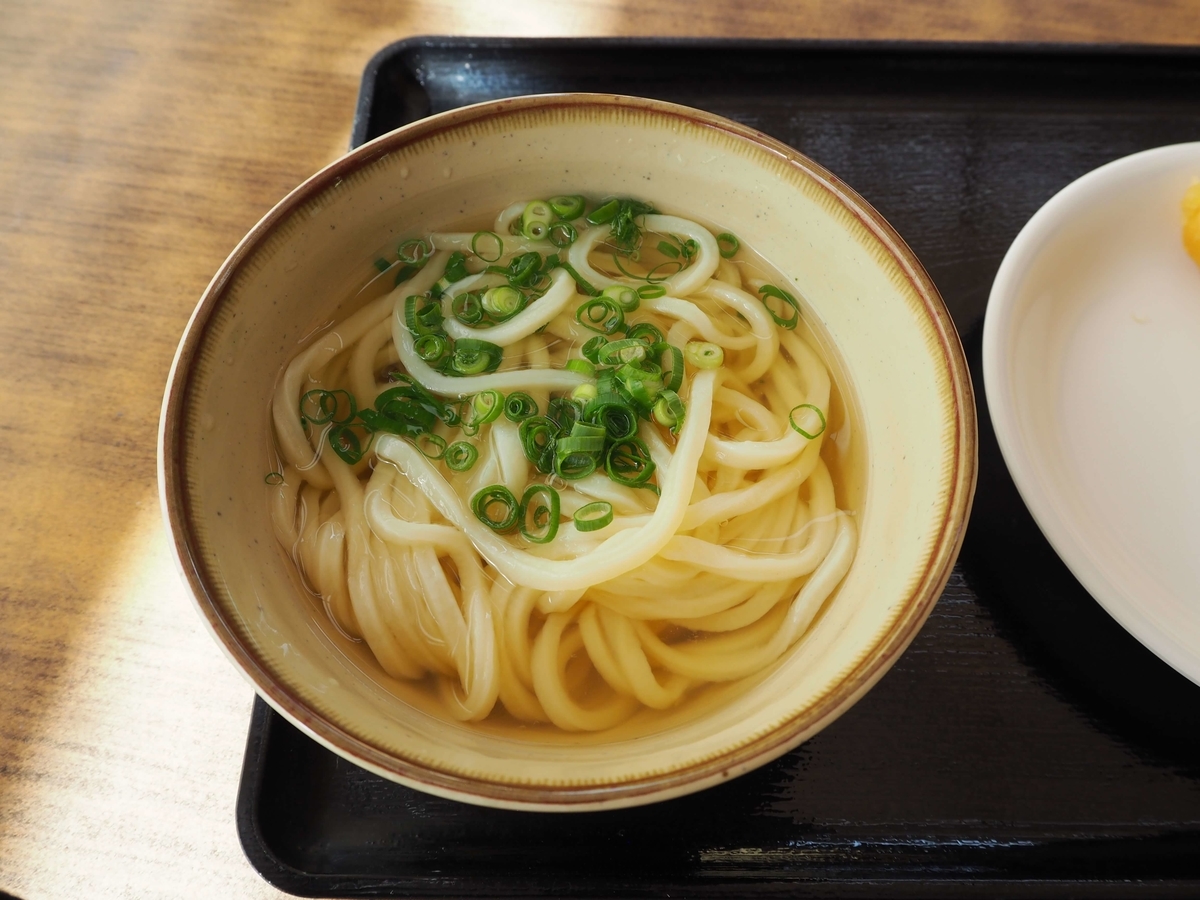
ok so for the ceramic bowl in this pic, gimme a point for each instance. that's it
(1091, 360)
(907, 438)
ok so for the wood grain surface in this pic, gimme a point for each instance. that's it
(138, 142)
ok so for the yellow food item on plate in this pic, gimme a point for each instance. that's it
(1191, 221)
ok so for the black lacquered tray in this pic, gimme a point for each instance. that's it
(1025, 745)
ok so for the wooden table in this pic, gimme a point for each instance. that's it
(138, 141)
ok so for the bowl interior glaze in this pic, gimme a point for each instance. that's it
(910, 438)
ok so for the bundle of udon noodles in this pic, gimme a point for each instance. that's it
(572, 465)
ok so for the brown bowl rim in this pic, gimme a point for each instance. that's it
(788, 734)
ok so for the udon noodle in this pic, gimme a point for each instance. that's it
(571, 466)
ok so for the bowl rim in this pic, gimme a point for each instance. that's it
(1020, 451)
(651, 788)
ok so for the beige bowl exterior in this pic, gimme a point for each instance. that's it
(864, 292)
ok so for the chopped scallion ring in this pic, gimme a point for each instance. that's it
(273, 478)
(651, 291)
(567, 206)
(803, 433)
(770, 292)
(484, 243)
(728, 244)
(415, 251)
(496, 507)
(582, 366)
(600, 314)
(627, 350)
(669, 410)
(584, 392)
(593, 516)
(346, 443)
(432, 348)
(460, 456)
(432, 445)
(537, 434)
(646, 333)
(467, 308)
(562, 234)
(625, 296)
(519, 406)
(535, 220)
(704, 355)
(540, 512)
(486, 407)
(503, 301)
(628, 462)
(591, 348)
(472, 357)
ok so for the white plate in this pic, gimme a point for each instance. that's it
(1091, 362)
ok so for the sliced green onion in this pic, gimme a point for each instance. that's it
(666, 248)
(432, 445)
(602, 215)
(562, 234)
(820, 415)
(273, 478)
(644, 387)
(460, 456)
(467, 308)
(483, 243)
(728, 244)
(770, 292)
(593, 516)
(496, 507)
(523, 271)
(318, 407)
(626, 350)
(486, 407)
(600, 314)
(414, 251)
(456, 268)
(585, 286)
(422, 315)
(618, 419)
(535, 220)
(432, 348)
(567, 206)
(584, 392)
(672, 377)
(591, 348)
(588, 443)
(564, 412)
(689, 248)
(519, 406)
(628, 462)
(382, 265)
(651, 291)
(669, 410)
(537, 434)
(704, 355)
(540, 511)
(574, 466)
(646, 333)
(472, 357)
(503, 301)
(625, 296)
(582, 366)
(346, 443)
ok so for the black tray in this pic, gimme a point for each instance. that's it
(1025, 744)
